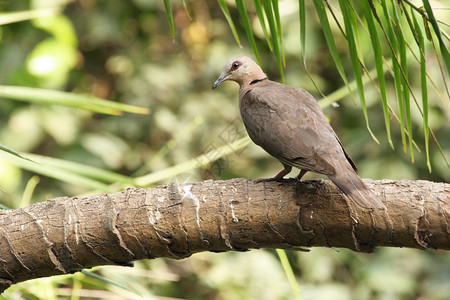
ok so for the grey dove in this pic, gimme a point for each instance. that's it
(288, 123)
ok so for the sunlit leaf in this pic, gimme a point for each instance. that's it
(82, 169)
(412, 27)
(355, 28)
(56, 173)
(11, 151)
(19, 16)
(226, 13)
(53, 97)
(426, 26)
(28, 192)
(289, 272)
(51, 61)
(60, 27)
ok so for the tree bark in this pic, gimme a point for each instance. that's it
(65, 235)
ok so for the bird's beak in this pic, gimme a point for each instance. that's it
(219, 80)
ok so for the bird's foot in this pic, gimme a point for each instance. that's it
(279, 176)
(300, 175)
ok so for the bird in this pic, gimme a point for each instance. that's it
(288, 123)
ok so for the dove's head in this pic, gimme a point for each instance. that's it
(241, 69)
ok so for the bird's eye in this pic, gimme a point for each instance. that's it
(235, 65)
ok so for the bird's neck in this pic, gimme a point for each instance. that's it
(254, 81)
(249, 85)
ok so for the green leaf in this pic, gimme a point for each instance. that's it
(423, 83)
(51, 60)
(276, 12)
(170, 18)
(427, 27)
(320, 9)
(404, 67)
(11, 151)
(61, 27)
(262, 22)
(391, 38)
(19, 16)
(28, 192)
(82, 169)
(273, 32)
(302, 18)
(227, 15)
(376, 46)
(248, 29)
(186, 9)
(437, 31)
(289, 272)
(56, 173)
(344, 91)
(355, 27)
(53, 97)
(346, 12)
(411, 25)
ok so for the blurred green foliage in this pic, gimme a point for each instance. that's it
(123, 51)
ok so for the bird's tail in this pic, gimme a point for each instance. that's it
(349, 182)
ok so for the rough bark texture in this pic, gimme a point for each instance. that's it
(64, 235)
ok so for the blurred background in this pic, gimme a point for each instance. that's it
(123, 51)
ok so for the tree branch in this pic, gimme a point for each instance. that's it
(65, 235)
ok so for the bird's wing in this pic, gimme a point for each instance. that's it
(288, 124)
